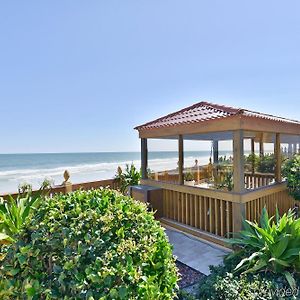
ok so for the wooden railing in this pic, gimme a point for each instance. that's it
(212, 215)
(256, 180)
(252, 181)
(112, 183)
(280, 199)
(219, 212)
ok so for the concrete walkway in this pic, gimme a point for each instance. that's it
(194, 252)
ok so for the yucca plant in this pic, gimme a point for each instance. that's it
(272, 245)
(15, 211)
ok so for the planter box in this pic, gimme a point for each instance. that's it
(149, 194)
(189, 183)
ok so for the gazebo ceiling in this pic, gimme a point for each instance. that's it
(205, 117)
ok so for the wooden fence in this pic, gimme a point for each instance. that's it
(112, 183)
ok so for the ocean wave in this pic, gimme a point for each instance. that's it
(81, 168)
(91, 171)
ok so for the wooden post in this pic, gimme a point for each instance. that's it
(216, 151)
(238, 209)
(180, 159)
(294, 148)
(238, 161)
(144, 158)
(277, 152)
(253, 155)
(238, 215)
(290, 150)
(261, 147)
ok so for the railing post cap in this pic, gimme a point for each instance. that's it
(66, 176)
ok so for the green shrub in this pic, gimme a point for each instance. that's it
(291, 171)
(271, 246)
(225, 284)
(232, 287)
(251, 159)
(266, 163)
(264, 265)
(227, 181)
(277, 242)
(93, 244)
(130, 177)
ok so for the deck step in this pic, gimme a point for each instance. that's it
(203, 235)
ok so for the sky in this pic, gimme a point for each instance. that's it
(78, 76)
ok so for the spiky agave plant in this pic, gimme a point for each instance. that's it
(272, 245)
(15, 210)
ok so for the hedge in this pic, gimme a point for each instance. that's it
(93, 244)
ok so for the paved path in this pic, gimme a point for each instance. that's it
(195, 253)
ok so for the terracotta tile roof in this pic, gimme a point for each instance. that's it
(204, 111)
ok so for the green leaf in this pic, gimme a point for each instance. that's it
(13, 271)
(277, 216)
(291, 252)
(279, 261)
(21, 258)
(123, 292)
(280, 247)
(290, 279)
(5, 239)
(30, 291)
(260, 264)
(248, 259)
(264, 219)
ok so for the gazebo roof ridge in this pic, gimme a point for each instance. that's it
(252, 113)
(216, 107)
(205, 111)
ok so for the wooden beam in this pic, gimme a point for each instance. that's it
(180, 159)
(216, 151)
(277, 151)
(261, 147)
(144, 158)
(238, 161)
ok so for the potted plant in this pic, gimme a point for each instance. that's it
(189, 178)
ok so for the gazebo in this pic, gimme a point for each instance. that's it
(225, 190)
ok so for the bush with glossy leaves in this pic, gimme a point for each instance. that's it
(93, 244)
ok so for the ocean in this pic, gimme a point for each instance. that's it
(16, 169)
